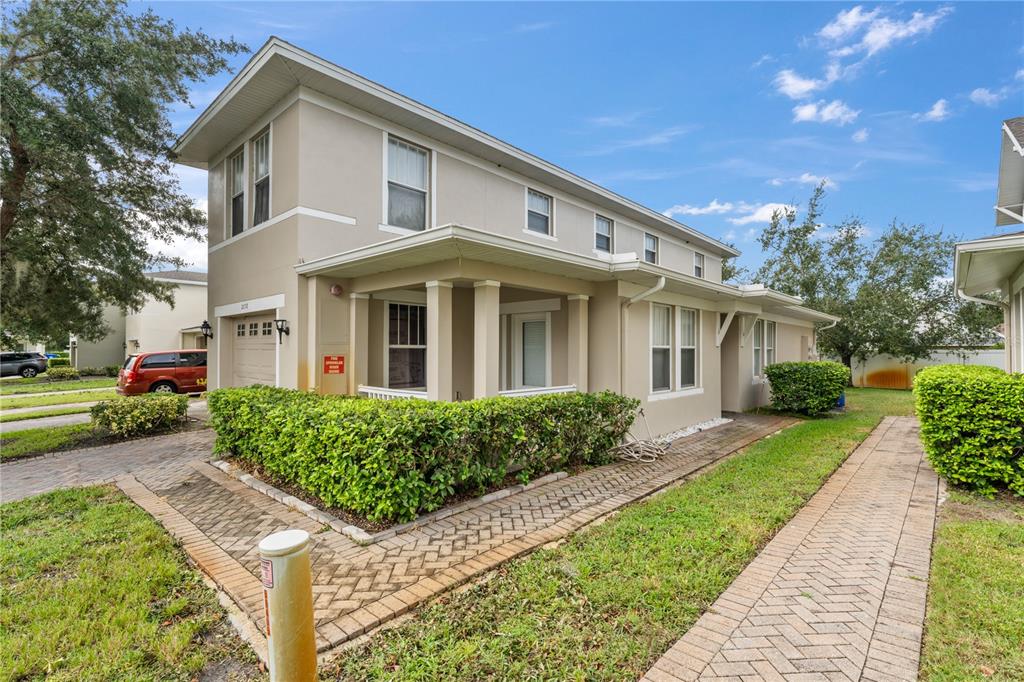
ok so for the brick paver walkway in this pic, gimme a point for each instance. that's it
(220, 522)
(839, 593)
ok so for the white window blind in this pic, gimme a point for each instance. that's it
(758, 348)
(661, 351)
(236, 187)
(688, 334)
(769, 344)
(408, 179)
(535, 353)
(698, 265)
(538, 212)
(261, 178)
(603, 234)
(650, 248)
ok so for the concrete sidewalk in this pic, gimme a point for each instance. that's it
(839, 594)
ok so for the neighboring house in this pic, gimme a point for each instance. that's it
(399, 249)
(156, 326)
(995, 265)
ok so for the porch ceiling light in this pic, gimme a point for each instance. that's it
(206, 329)
(282, 329)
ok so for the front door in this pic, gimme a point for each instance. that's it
(531, 350)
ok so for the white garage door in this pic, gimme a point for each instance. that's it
(253, 353)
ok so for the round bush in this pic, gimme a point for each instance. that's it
(807, 387)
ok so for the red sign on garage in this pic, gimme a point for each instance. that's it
(334, 364)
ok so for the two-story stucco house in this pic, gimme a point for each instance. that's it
(441, 261)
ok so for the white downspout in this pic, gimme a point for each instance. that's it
(818, 331)
(975, 299)
(623, 317)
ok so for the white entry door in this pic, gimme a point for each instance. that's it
(531, 350)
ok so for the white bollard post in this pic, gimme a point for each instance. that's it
(288, 601)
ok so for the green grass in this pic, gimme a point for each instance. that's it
(55, 399)
(41, 385)
(93, 588)
(27, 442)
(974, 629)
(21, 416)
(607, 603)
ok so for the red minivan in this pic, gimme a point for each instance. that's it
(172, 371)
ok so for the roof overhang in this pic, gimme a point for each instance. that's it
(1010, 195)
(984, 265)
(453, 242)
(278, 68)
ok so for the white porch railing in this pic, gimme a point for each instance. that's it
(390, 393)
(543, 390)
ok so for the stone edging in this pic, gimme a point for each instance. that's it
(359, 535)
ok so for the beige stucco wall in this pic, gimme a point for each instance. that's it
(107, 351)
(157, 326)
(740, 389)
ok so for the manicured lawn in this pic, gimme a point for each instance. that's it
(974, 629)
(55, 399)
(17, 444)
(21, 416)
(93, 588)
(607, 603)
(41, 385)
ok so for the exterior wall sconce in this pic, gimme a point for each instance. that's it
(206, 329)
(282, 330)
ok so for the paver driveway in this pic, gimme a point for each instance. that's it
(220, 522)
(839, 594)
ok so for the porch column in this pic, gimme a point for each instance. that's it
(358, 341)
(579, 320)
(486, 338)
(439, 340)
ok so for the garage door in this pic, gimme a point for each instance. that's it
(253, 353)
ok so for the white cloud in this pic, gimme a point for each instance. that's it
(793, 85)
(805, 179)
(656, 139)
(729, 236)
(686, 209)
(835, 111)
(533, 27)
(883, 32)
(847, 23)
(1019, 75)
(617, 120)
(860, 136)
(761, 213)
(938, 112)
(763, 59)
(986, 97)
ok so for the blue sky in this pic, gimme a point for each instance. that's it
(713, 112)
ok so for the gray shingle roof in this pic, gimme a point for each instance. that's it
(183, 275)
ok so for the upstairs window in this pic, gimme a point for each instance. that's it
(698, 265)
(261, 178)
(661, 347)
(408, 179)
(538, 212)
(603, 234)
(650, 248)
(236, 192)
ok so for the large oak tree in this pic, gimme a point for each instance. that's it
(86, 88)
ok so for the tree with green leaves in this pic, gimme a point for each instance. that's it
(86, 159)
(893, 294)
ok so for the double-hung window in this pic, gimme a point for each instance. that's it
(603, 234)
(758, 348)
(688, 334)
(408, 180)
(407, 345)
(261, 178)
(650, 248)
(236, 192)
(661, 348)
(698, 265)
(538, 212)
(769, 343)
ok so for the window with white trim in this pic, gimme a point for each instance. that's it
(769, 343)
(261, 178)
(758, 348)
(267, 329)
(407, 345)
(661, 348)
(408, 183)
(603, 228)
(689, 333)
(236, 193)
(538, 212)
(650, 248)
(698, 265)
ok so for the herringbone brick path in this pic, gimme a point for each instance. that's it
(839, 594)
(220, 521)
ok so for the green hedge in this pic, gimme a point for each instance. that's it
(58, 362)
(807, 387)
(112, 370)
(395, 459)
(62, 373)
(972, 425)
(138, 415)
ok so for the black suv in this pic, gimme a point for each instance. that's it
(23, 364)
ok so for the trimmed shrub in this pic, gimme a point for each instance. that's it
(807, 387)
(393, 459)
(90, 371)
(972, 425)
(141, 414)
(112, 370)
(62, 373)
(58, 362)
